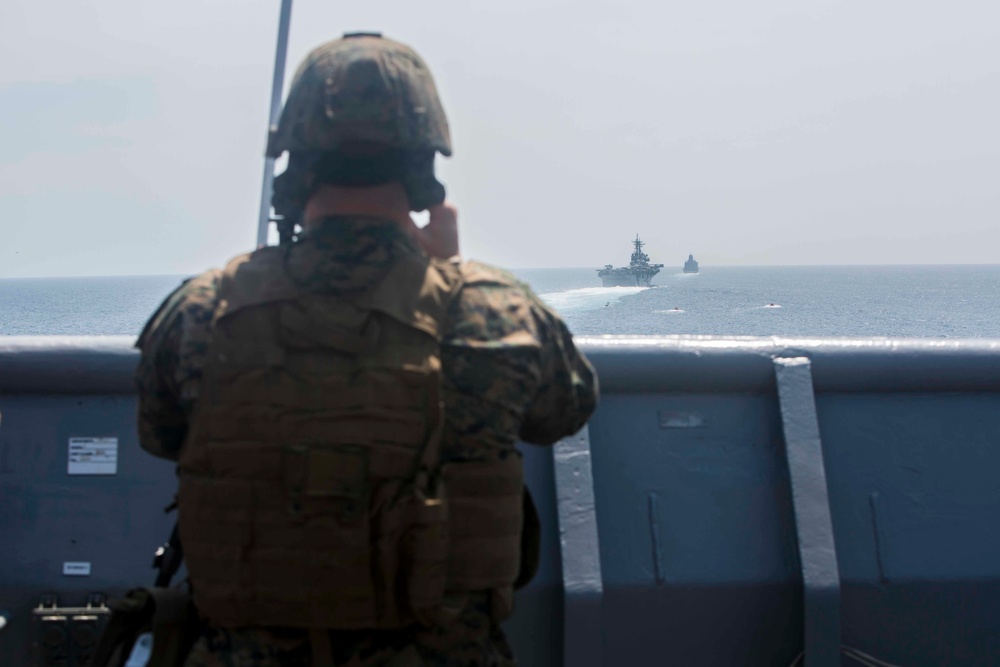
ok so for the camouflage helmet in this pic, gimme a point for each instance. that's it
(361, 88)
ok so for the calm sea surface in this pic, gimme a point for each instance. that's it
(929, 301)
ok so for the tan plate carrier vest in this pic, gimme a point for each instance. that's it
(311, 491)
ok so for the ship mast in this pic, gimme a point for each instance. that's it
(638, 257)
(277, 85)
(637, 243)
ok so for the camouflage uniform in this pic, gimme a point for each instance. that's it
(510, 371)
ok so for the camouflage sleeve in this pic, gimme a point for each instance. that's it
(173, 346)
(567, 394)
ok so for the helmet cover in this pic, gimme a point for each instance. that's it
(361, 88)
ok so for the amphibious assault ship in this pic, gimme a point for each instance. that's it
(637, 274)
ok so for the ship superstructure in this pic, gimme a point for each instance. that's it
(637, 274)
(691, 265)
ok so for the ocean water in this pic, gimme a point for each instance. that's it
(907, 301)
(923, 301)
(81, 306)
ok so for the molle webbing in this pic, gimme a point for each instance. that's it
(484, 522)
(310, 488)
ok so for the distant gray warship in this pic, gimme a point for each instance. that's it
(637, 274)
(690, 266)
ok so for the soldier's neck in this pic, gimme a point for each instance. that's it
(388, 201)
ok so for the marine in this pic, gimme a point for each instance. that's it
(344, 407)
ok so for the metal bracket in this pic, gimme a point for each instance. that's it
(583, 586)
(97, 601)
(811, 503)
(67, 635)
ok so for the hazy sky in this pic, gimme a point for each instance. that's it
(767, 132)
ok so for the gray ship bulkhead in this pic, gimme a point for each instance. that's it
(734, 501)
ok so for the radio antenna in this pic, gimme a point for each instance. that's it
(277, 85)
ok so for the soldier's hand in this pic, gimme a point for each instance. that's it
(439, 238)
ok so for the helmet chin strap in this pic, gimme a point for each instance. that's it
(422, 187)
(307, 171)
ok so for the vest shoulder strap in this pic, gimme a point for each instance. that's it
(254, 279)
(476, 273)
(417, 291)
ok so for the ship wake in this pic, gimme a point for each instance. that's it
(587, 298)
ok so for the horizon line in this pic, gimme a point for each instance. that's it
(536, 268)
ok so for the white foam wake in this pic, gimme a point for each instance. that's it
(587, 298)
